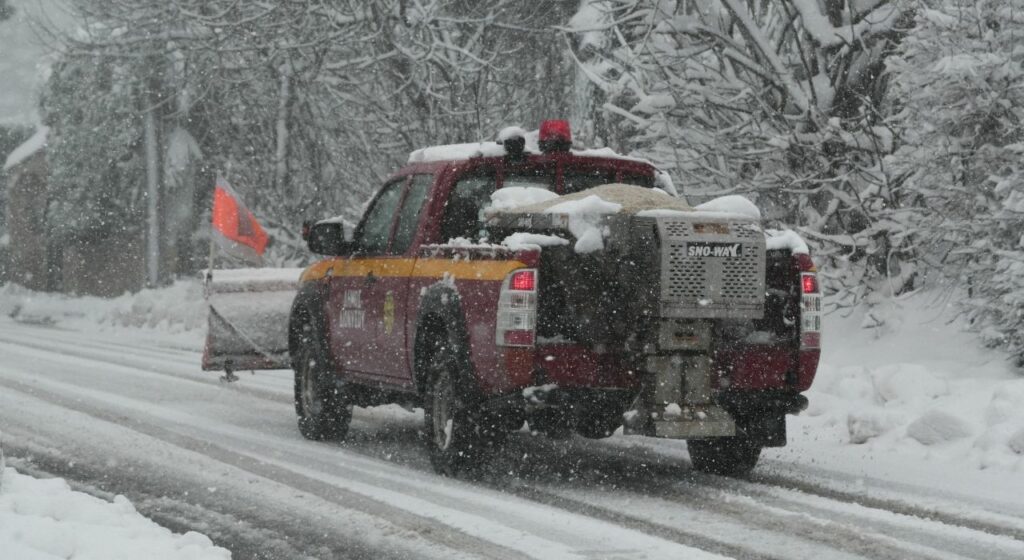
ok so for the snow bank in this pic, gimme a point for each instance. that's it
(46, 520)
(938, 426)
(177, 311)
(920, 387)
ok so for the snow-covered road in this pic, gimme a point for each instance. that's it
(136, 417)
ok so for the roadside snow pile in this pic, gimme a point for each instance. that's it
(178, 309)
(920, 385)
(45, 519)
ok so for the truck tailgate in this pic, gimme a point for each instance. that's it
(248, 318)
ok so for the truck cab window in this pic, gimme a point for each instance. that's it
(639, 180)
(372, 236)
(540, 179)
(462, 211)
(576, 181)
(408, 218)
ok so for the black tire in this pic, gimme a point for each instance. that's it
(728, 456)
(459, 436)
(598, 427)
(323, 413)
(554, 423)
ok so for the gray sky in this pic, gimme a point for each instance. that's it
(23, 58)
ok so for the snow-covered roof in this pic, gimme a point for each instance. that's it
(457, 152)
(27, 148)
(460, 152)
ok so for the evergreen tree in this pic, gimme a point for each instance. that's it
(97, 173)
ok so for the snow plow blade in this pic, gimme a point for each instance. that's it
(247, 326)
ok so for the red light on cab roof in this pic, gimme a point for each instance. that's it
(555, 135)
(523, 280)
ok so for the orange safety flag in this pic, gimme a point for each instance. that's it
(235, 229)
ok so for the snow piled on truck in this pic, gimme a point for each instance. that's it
(731, 204)
(785, 239)
(512, 197)
(605, 199)
(584, 210)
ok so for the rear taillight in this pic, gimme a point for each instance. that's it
(810, 302)
(809, 282)
(523, 280)
(517, 309)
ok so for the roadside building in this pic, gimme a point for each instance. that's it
(107, 266)
(29, 259)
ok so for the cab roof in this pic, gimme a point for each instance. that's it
(453, 153)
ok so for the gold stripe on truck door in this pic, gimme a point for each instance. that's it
(423, 268)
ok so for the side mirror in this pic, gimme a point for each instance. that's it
(326, 238)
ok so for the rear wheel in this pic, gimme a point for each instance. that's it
(729, 456)
(459, 436)
(598, 426)
(319, 402)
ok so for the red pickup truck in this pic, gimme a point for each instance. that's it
(680, 325)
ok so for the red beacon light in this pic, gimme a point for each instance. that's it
(555, 136)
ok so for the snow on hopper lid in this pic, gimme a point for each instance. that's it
(29, 147)
(731, 204)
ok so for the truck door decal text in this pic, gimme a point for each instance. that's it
(352, 313)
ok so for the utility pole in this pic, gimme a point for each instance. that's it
(152, 194)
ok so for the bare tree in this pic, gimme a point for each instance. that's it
(779, 100)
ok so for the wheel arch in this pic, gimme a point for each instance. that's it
(441, 315)
(308, 307)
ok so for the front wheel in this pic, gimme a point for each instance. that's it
(729, 456)
(323, 412)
